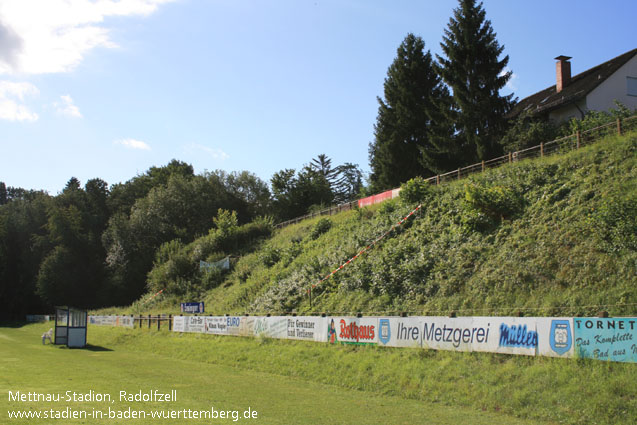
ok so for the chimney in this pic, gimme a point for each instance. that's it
(563, 72)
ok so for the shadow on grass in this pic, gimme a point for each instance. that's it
(16, 324)
(87, 347)
(91, 347)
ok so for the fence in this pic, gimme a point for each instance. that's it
(564, 144)
(600, 338)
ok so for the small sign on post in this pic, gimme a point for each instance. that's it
(192, 307)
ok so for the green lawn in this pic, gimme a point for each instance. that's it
(108, 367)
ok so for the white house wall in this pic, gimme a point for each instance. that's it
(567, 112)
(614, 88)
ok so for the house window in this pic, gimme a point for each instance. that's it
(631, 83)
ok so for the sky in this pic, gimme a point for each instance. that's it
(108, 88)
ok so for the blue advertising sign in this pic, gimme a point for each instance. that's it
(612, 339)
(192, 307)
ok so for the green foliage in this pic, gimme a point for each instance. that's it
(226, 222)
(415, 191)
(294, 193)
(472, 70)
(497, 202)
(176, 265)
(173, 269)
(321, 226)
(616, 221)
(593, 119)
(409, 133)
(527, 131)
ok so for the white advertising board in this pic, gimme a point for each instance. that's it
(555, 336)
(179, 324)
(216, 325)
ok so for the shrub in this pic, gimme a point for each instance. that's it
(321, 226)
(486, 206)
(415, 191)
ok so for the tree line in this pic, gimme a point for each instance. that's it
(94, 245)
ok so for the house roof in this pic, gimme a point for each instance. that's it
(578, 87)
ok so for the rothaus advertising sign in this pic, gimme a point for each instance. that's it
(352, 330)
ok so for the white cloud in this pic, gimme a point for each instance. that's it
(46, 36)
(67, 107)
(133, 144)
(12, 96)
(214, 153)
(512, 84)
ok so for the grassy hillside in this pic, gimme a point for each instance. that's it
(551, 236)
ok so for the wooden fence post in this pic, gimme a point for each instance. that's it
(458, 173)
(437, 179)
(140, 321)
(158, 322)
(510, 158)
(579, 138)
(542, 149)
(483, 165)
(170, 322)
(619, 127)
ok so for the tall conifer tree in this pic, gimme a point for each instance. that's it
(475, 75)
(405, 144)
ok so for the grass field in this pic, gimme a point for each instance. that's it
(114, 362)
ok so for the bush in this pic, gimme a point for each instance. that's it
(415, 191)
(486, 206)
(321, 226)
(270, 256)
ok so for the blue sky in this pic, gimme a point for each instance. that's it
(110, 88)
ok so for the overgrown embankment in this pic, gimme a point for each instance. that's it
(552, 236)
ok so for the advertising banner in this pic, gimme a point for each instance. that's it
(216, 325)
(232, 324)
(179, 324)
(123, 321)
(307, 328)
(516, 335)
(195, 324)
(271, 327)
(612, 339)
(352, 330)
(457, 334)
(400, 331)
(555, 336)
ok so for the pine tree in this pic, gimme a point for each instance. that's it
(407, 132)
(475, 75)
